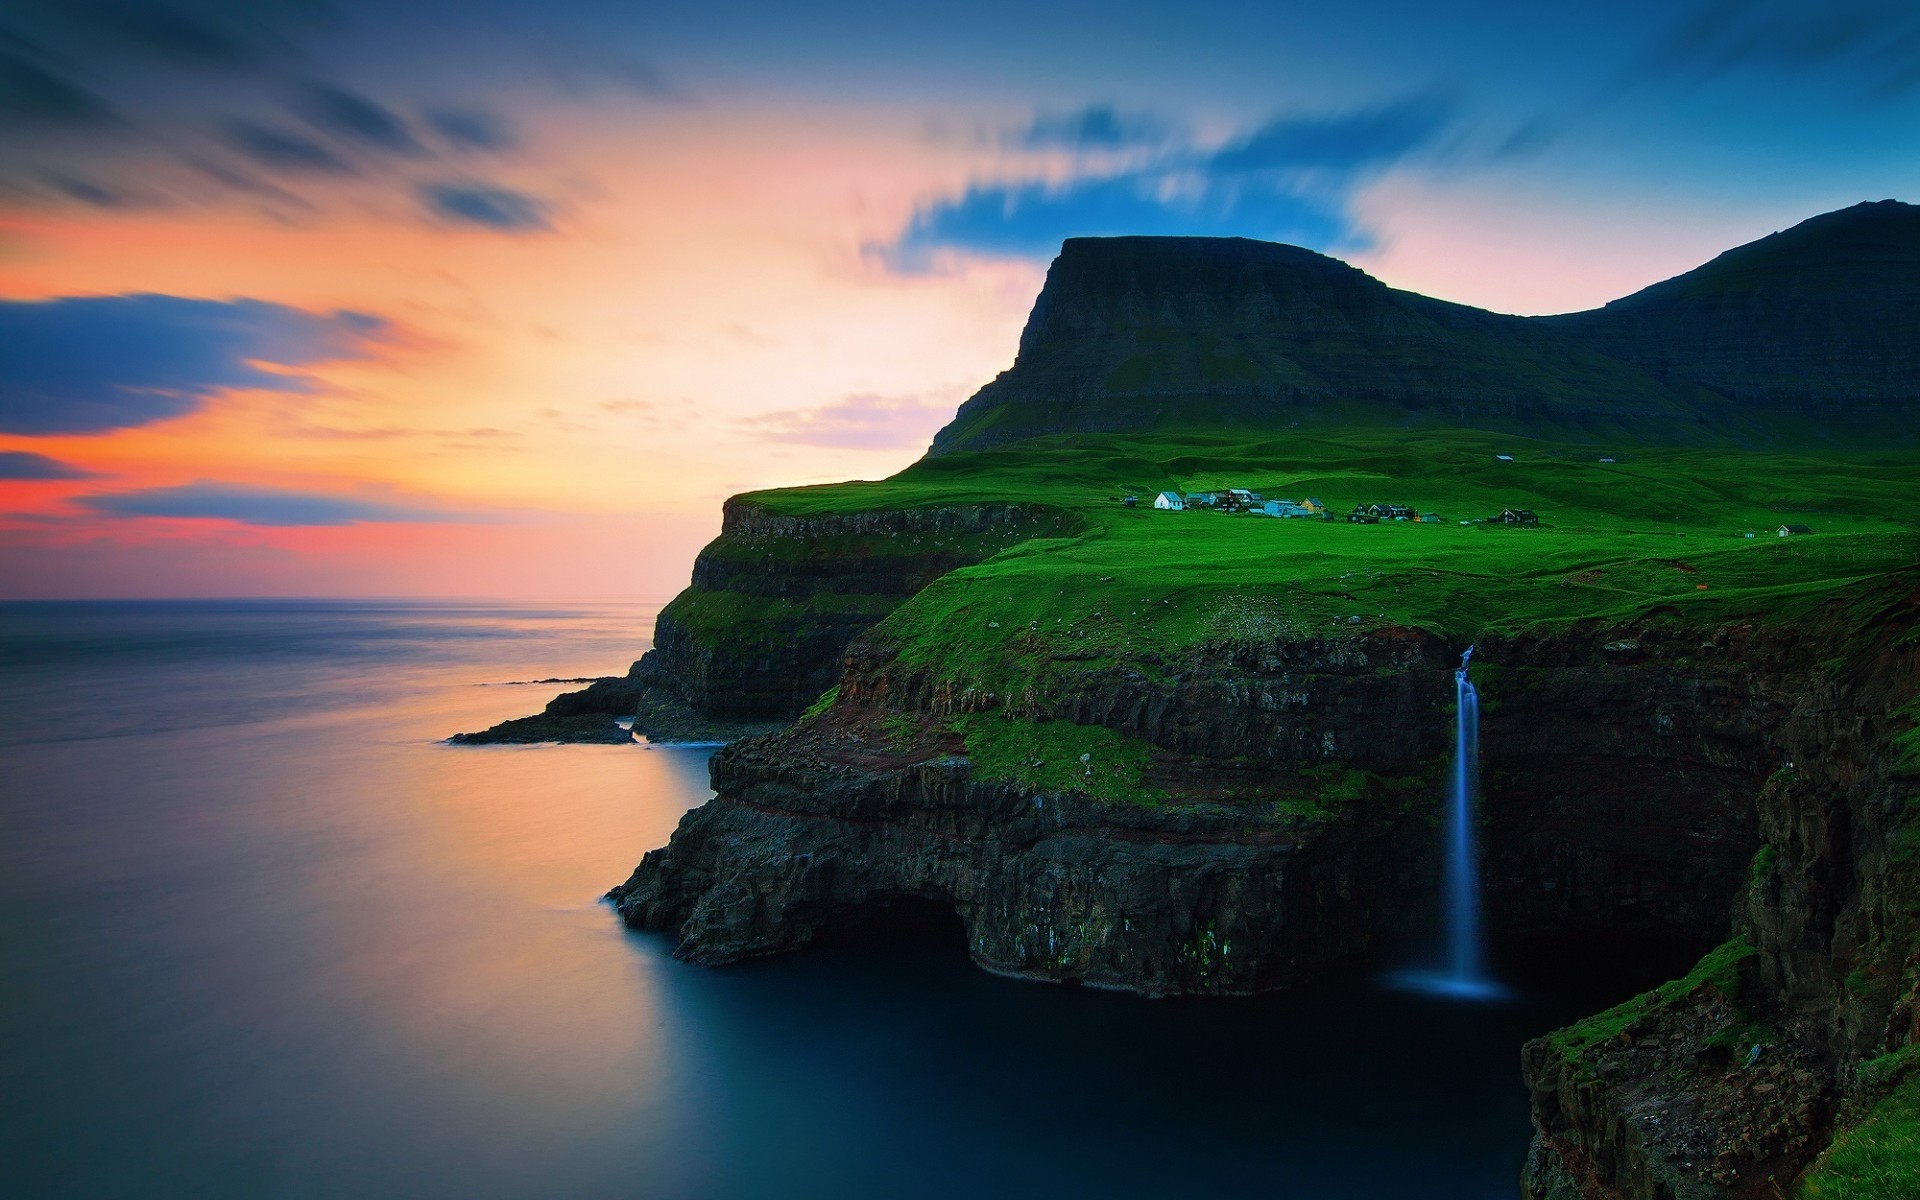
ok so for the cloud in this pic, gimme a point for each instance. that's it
(487, 205)
(473, 129)
(1339, 142)
(87, 364)
(283, 150)
(354, 118)
(1030, 220)
(293, 108)
(172, 32)
(25, 464)
(86, 191)
(1097, 127)
(1289, 180)
(34, 90)
(1871, 46)
(209, 500)
(860, 422)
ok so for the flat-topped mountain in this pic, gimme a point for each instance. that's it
(1814, 331)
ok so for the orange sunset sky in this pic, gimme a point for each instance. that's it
(505, 299)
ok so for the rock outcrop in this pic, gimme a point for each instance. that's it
(873, 803)
(774, 603)
(777, 598)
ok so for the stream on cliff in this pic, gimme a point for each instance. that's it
(265, 936)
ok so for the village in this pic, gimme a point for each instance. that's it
(1247, 502)
(1252, 503)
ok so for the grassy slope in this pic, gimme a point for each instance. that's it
(1718, 970)
(1616, 539)
(1875, 1156)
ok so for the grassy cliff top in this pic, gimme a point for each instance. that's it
(1655, 528)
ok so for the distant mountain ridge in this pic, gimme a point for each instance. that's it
(1810, 332)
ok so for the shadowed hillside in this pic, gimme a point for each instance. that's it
(1807, 333)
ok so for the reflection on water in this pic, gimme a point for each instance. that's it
(264, 936)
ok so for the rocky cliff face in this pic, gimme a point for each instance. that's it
(1132, 333)
(1727, 1086)
(873, 803)
(1733, 780)
(1621, 770)
(776, 599)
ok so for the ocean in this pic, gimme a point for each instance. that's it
(262, 934)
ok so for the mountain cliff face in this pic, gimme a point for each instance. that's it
(1135, 333)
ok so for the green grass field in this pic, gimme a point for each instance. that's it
(1657, 528)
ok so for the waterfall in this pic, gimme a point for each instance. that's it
(1463, 870)
(1464, 974)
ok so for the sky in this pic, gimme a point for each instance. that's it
(503, 298)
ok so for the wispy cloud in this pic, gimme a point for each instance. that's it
(26, 465)
(279, 149)
(37, 89)
(86, 191)
(1096, 127)
(1290, 179)
(473, 129)
(1342, 142)
(193, 34)
(359, 120)
(214, 501)
(87, 364)
(291, 107)
(1872, 46)
(486, 205)
(860, 422)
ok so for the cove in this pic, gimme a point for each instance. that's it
(266, 936)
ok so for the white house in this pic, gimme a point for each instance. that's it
(1793, 530)
(1169, 501)
(1503, 457)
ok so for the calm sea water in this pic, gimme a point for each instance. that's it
(262, 935)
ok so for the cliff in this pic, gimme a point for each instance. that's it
(1729, 1082)
(777, 598)
(774, 602)
(1256, 811)
(1194, 753)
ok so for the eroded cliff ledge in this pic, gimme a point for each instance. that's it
(1737, 780)
(1296, 787)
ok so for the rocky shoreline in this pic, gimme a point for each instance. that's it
(593, 715)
